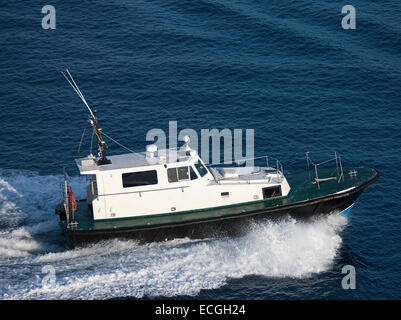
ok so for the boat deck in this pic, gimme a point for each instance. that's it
(301, 190)
(245, 175)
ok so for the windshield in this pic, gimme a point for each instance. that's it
(201, 168)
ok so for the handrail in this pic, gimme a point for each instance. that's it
(279, 167)
(336, 158)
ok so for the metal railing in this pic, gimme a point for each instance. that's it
(336, 158)
(278, 167)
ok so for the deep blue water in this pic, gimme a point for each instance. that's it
(283, 68)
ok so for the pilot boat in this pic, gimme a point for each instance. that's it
(158, 195)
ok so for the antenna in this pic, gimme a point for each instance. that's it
(93, 121)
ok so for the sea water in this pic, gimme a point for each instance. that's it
(286, 69)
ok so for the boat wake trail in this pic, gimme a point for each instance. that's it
(32, 252)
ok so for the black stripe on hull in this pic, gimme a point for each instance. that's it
(234, 225)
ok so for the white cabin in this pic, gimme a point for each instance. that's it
(170, 181)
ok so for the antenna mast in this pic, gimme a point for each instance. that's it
(93, 120)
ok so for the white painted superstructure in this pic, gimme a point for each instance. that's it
(167, 181)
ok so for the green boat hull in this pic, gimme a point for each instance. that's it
(304, 200)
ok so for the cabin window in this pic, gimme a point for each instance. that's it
(141, 178)
(172, 175)
(94, 185)
(183, 173)
(271, 192)
(180, 174)
(192, 173)
(201, 168)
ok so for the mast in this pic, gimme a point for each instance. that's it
(93, 121)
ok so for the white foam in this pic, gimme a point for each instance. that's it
(179, 267)
(27, 202)
(117, 268)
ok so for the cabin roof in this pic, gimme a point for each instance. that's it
(88, 165)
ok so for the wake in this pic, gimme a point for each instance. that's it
(30, 241)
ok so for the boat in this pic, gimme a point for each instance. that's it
(159, 195)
